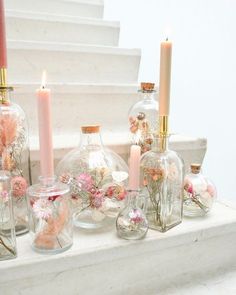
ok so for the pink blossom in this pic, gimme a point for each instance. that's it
(42, 209)
(211, 190)
(4, 195)
(97, 199)
(135, 216)
(86, 181)
(19, 186)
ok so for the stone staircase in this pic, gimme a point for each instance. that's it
(91, 78)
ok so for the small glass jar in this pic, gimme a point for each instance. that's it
(97, 178)
(162, 184)
(199, 193)
(143, 118)
(7, 222)
(14, 155)
(50, 218)
(131, 223)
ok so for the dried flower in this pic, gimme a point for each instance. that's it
(211, 190)
(135, 216)
(8, 126)
(42, 209)
(19, 186)
(97, 199)
(4, 196)
(8, 162)
(86, 181)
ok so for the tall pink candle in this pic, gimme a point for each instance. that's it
(165, 78)
(45, 131)
(3, 47)
(134, 166)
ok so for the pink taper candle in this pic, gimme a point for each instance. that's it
(134, 166)
(45, 130)
(3, 48)
(165, 78)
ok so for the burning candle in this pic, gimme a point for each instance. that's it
(3, 48)
(45, 129)
(165, 78)
(134, 166)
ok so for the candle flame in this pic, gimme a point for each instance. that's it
(44, 76)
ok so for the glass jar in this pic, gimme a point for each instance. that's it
(14, 155)
(199, 193)
(7, 222)
(162, 184)
(97, 178)
(143, 118)
(131, 223)
(50, 218)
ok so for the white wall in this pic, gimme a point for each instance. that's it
(203, 71)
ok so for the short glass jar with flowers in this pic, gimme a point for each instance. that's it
(97, 178)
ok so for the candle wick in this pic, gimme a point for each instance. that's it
(166, 39)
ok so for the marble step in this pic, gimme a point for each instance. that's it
(70, 63)
(60, 28)
(198, 255)
(82, 8)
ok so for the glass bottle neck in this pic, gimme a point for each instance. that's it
(148, 95)
(132, 197)
(161, 143)
(5, 95)
(92, 140)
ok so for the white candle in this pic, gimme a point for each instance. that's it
(134, 166)
(45, 130)
(165, 78)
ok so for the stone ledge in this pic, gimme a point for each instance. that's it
(99, 261)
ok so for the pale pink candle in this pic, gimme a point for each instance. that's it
(134, 166)
(3, 48)
(165, 78)
(45, 131)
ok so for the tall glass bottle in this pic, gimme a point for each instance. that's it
(162, 183)
(97, 178)
(14, 154)
(143, 118)
(7, 222)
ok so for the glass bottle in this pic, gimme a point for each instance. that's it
(97, 178)
(7, 222)
(50, 218)
(14, 155)
(199, 193)
(131, 223)
(162, 183)
(143, 118)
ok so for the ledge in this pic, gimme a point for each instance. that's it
(194, 247)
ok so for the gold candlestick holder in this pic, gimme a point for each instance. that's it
(163, 133)
(4, 88)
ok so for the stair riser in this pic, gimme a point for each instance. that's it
(84, 67)
(57, 7)
(21, 29)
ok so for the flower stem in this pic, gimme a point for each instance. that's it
(5, 246)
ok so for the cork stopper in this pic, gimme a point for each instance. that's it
(147, 86)
(90, 129)
(195, 168)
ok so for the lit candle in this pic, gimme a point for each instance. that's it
(134, 166)
(165, 77)
(45, 130)
(3, 49)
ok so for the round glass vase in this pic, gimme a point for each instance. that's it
(7, 222)
(199, 193)
(50, 218)
(143, 118)
(162, 184)
(97, 178)
(131, 223)
(14, 155)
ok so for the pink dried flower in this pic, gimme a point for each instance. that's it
(4, 196)
(135, 216)
(116, 191)
(211, 190)
(97, 199)
(86, 181)
(42, 209)
(8, 126)
(19, 186)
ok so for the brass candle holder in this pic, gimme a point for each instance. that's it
(163, 133)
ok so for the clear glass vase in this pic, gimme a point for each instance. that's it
(14, 155)
(131, 223)
(143, 118)
(199, 193)
(7, 222)
(162, 184)
(97, 178)
(50, 218)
